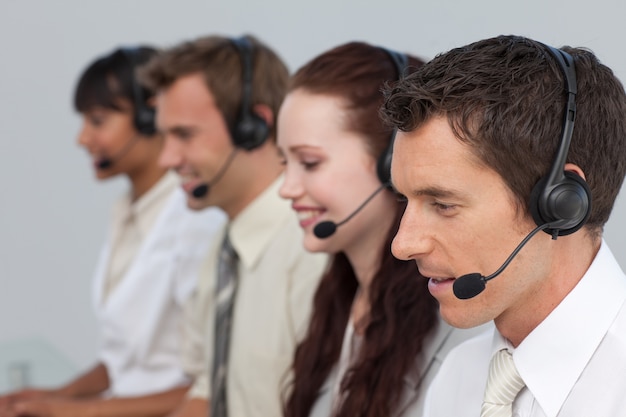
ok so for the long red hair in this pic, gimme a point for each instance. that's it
(402, 312)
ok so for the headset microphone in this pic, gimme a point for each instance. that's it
(200, 191)
(470, 285)
(325, 229)
(203, 189)
(108, 162)
(104, 163)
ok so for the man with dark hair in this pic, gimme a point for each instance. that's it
(217, 99)
(503, 140)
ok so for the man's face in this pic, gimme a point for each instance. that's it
(461, 218)
(197, 139)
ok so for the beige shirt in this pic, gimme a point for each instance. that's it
(131, 223)
(277, 280)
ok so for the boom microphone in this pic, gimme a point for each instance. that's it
(107, 162)
(470, 285)
(327, 228)
(202, 190)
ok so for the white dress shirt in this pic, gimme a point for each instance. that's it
(139, 302)
(131, 222)
(573, 363)
(277, 281)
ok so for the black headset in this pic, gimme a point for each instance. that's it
(144, 115)
(383, 164)
(562, 197)
(249, 130)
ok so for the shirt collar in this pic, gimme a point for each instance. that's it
(252, 230)
(552, 357)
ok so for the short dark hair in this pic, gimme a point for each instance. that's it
(218, 60)
(505, 97)
(112, 77)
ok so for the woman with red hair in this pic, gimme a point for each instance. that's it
(375, 339)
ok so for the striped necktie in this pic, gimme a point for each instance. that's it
(503, 385)
(225, 297)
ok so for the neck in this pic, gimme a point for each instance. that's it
(256, 171)
(570, 260)
(144, 179)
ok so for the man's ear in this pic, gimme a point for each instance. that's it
(575, 169)
(265, 113)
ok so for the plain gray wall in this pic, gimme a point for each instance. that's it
(54, 214)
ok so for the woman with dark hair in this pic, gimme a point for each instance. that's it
(375, 339)
(148, 264)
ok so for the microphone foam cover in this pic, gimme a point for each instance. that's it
(104, 163)
(200, 191)
(468, 286)
(324, 229)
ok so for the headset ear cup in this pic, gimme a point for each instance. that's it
(533, 205)
(383, 164)
(250, 132)
(144, 118)
(574, 203)
(569, 201)
(145, 121)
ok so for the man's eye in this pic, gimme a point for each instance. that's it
(96, 120)
(309, 165)
(444, 207)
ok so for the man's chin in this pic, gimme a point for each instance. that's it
(462, 318)
(195, 204)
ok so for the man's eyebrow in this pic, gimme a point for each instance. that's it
(436, 192)
(181, 129)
